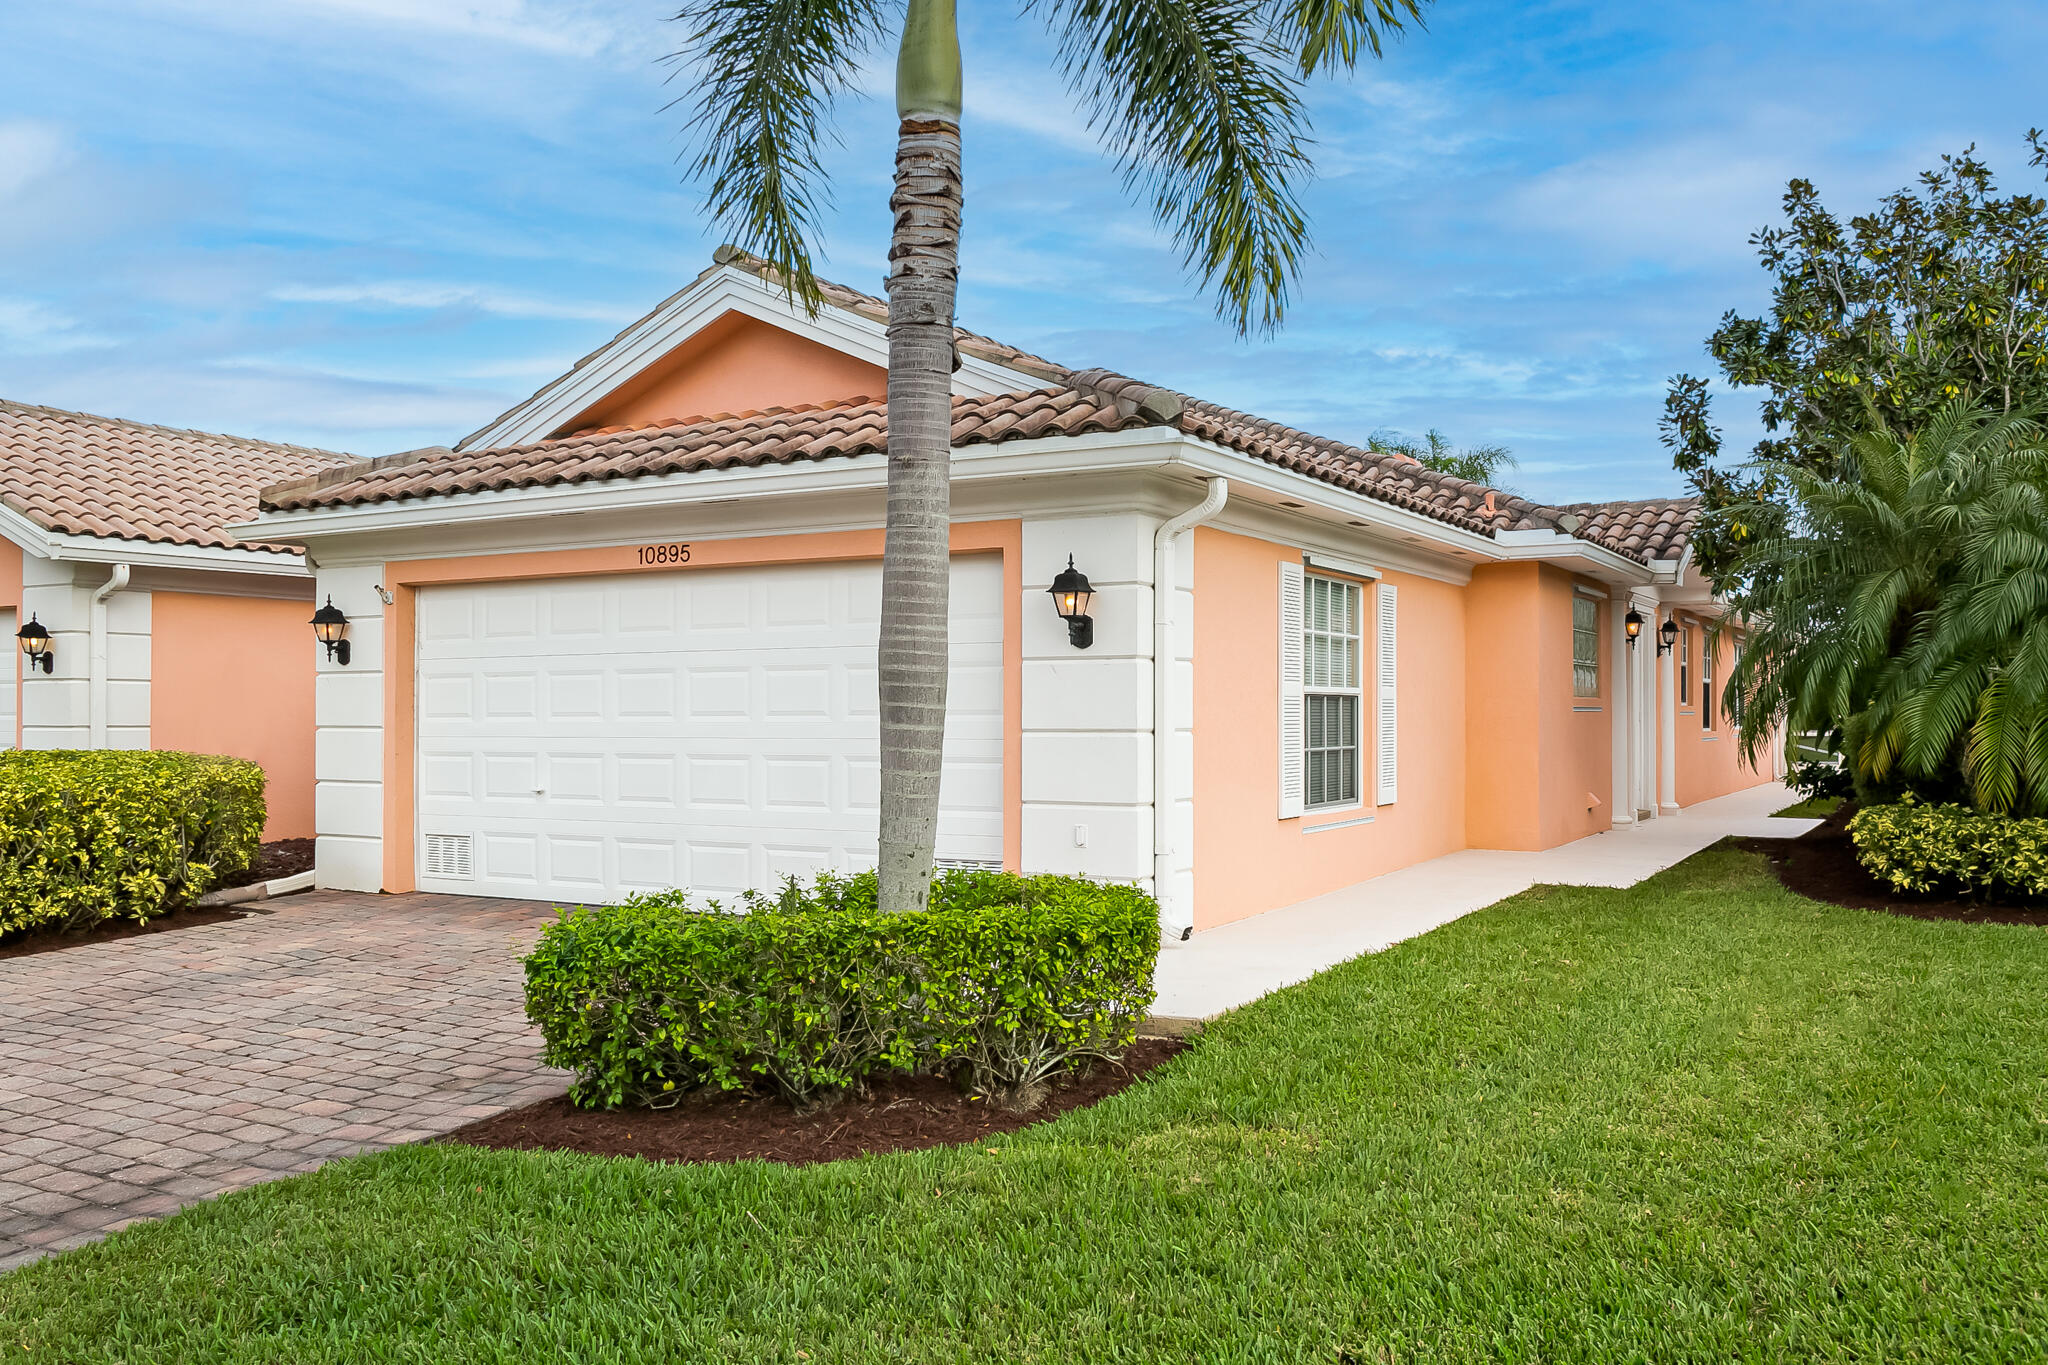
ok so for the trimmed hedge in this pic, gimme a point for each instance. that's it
(1001, 982)
(1925, 849)
(91, 835)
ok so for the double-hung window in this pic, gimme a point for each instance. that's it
(1707, 644)
(1684, 664)
(1585, 647)
(1332, 640)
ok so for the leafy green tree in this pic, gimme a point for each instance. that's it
(1904, 607)
(1477, 464)
(1939, 295)
(1201, 103)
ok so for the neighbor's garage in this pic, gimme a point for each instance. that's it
(580, 739)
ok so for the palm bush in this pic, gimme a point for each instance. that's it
(1906, 607)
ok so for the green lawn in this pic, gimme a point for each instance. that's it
(1812, 808)
(1699, 1120)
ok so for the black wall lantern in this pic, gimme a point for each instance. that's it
(35, 646)
(330, 628)
(1070, 595)
(1667, 634)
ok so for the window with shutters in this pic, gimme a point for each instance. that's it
(1332, 638)
(1585, 647)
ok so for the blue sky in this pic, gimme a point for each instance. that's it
(373, 224)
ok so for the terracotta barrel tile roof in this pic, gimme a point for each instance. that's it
(77, 474)
(774, 436)
(1648, 529)
(1072, 403)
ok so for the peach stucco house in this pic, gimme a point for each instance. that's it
(164, 631)
(622, 637)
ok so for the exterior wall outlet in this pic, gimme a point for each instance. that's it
(1080, 836)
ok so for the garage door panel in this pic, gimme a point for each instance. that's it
(714, 729)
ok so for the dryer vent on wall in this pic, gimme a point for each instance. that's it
(448, 856)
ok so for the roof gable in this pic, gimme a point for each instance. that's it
(736, 363)
(852, 323)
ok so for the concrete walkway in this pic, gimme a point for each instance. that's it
(140, 1075)
(1234, 964)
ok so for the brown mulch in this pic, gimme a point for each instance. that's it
(276, 859)
(901, 1114)
(280, 858)
(1821, 865)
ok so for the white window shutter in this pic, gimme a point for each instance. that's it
(1293, 736)
(1386, 725)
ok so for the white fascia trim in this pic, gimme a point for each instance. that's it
(1043, 457)
(60, 546)
(726, 290)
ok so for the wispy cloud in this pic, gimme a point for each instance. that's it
(429, 296)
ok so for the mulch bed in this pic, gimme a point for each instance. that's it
(901, 1114)
(275, 860)
(281, 858)
(1821, 865)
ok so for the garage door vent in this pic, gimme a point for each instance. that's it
(966, 865)
(448, 856)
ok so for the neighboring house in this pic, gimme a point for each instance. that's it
(165, 631)
(623, 637)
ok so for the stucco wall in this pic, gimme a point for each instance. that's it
(234, 675)
(1709, 761)
(1248, 860)
(1538, 759)
(736, 364)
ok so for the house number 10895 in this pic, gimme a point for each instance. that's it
(664, 554)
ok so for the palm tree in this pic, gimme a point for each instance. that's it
(1906, 608)
(1474, 464)
(1202, 102)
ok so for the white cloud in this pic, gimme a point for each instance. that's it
(30, 150)
(580, 28)
(28, 327)
(425, 296)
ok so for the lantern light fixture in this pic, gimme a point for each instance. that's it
(35, 646)
(1668, 635)
(1633, 624)
(330, 628)
(1070, 597)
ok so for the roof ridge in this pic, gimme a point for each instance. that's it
(16, 405)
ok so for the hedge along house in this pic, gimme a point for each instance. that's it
(153, 626)
(623, 637)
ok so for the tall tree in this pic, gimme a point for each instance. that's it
(1200, 102)
(1905, 609)
(1939, 294)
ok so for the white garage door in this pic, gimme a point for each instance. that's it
(713, 728)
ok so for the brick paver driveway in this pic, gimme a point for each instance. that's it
(142, 1074)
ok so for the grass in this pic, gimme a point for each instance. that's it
(1812, 808)
(1702, 1119)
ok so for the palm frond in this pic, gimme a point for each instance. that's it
(1331, 35)
(1202, 101)
(767, 74)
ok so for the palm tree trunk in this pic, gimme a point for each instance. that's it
(924, 268)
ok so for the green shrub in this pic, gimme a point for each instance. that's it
(1925, 849)
(93, 835)
(1003, 980)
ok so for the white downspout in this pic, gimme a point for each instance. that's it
(96, 722)
(1178, 921)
